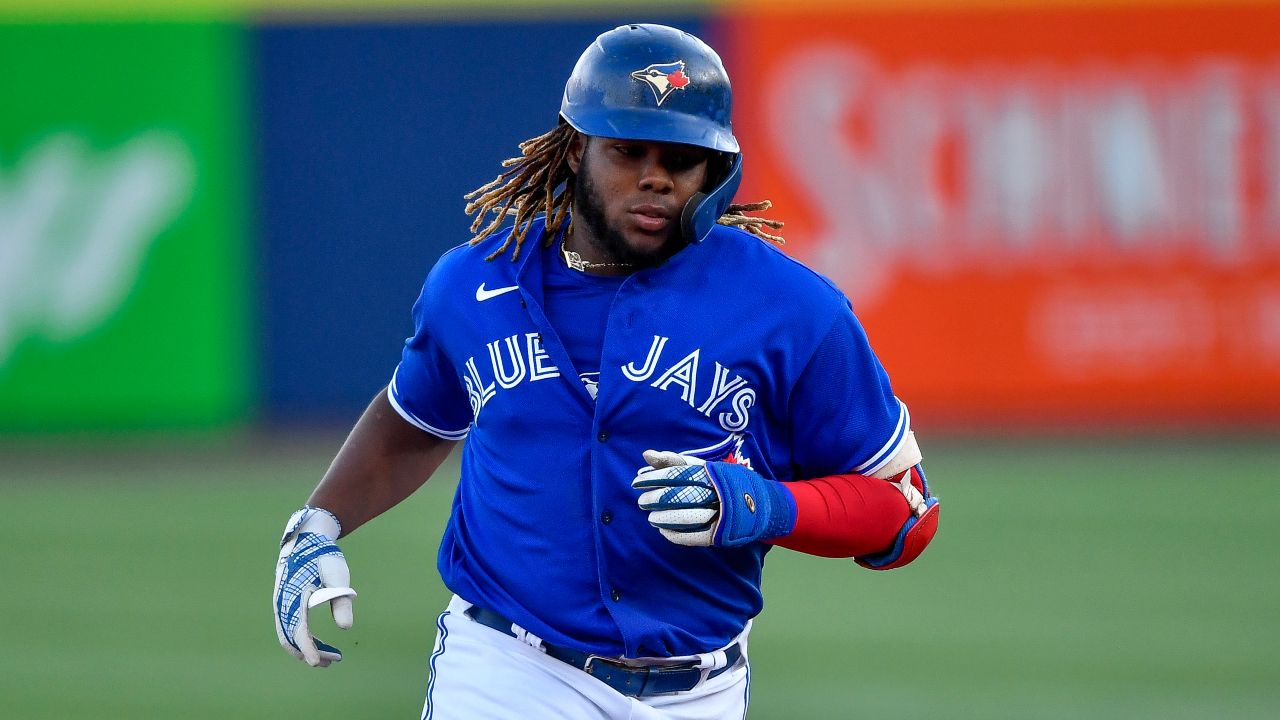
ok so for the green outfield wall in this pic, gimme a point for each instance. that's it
(123, 278)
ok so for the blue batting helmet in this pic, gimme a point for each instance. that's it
(653, 82)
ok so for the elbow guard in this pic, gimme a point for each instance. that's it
(917, 531)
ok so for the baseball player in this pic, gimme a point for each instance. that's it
(652, 397)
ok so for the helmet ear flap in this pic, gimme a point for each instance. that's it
(704, 209)
(688, 218)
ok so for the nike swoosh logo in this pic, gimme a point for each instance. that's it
(482, 294)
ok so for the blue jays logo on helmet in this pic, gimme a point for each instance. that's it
(613, 87)
(663, 78)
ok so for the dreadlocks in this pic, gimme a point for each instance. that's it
(539, 181)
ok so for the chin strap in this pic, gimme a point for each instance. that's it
(704, 209)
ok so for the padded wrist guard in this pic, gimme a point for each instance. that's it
(752, 507)
(917, 531)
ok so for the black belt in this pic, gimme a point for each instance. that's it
(632, 680)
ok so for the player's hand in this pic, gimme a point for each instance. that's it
(697, 503)
(311, 571)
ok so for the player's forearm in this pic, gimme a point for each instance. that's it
(382, 462)
(845, 516)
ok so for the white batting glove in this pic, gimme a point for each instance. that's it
(311, 571)
(700, 507)
(697, 503)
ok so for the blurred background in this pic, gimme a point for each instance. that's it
(1059, 222)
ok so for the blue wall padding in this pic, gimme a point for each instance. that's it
(368, 135)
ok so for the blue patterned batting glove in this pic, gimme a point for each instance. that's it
(310, 571)
(697, 503)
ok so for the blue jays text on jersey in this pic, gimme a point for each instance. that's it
(514, 360)
(730, 350)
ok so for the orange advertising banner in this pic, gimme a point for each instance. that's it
(1042, 216)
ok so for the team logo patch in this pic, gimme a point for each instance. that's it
(663, 78)
(729, 450)
(592, 382)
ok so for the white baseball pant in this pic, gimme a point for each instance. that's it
(478, 673)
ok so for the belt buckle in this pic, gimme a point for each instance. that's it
(630, 680)
(591, 660)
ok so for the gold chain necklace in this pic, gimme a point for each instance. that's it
(575, 261)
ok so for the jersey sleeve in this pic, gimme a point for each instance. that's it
(425, 388)
(844, 415)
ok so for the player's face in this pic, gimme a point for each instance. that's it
(629, 195)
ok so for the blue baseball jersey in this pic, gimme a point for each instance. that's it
(731, 350)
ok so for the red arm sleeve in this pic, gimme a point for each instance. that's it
(845, 516)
